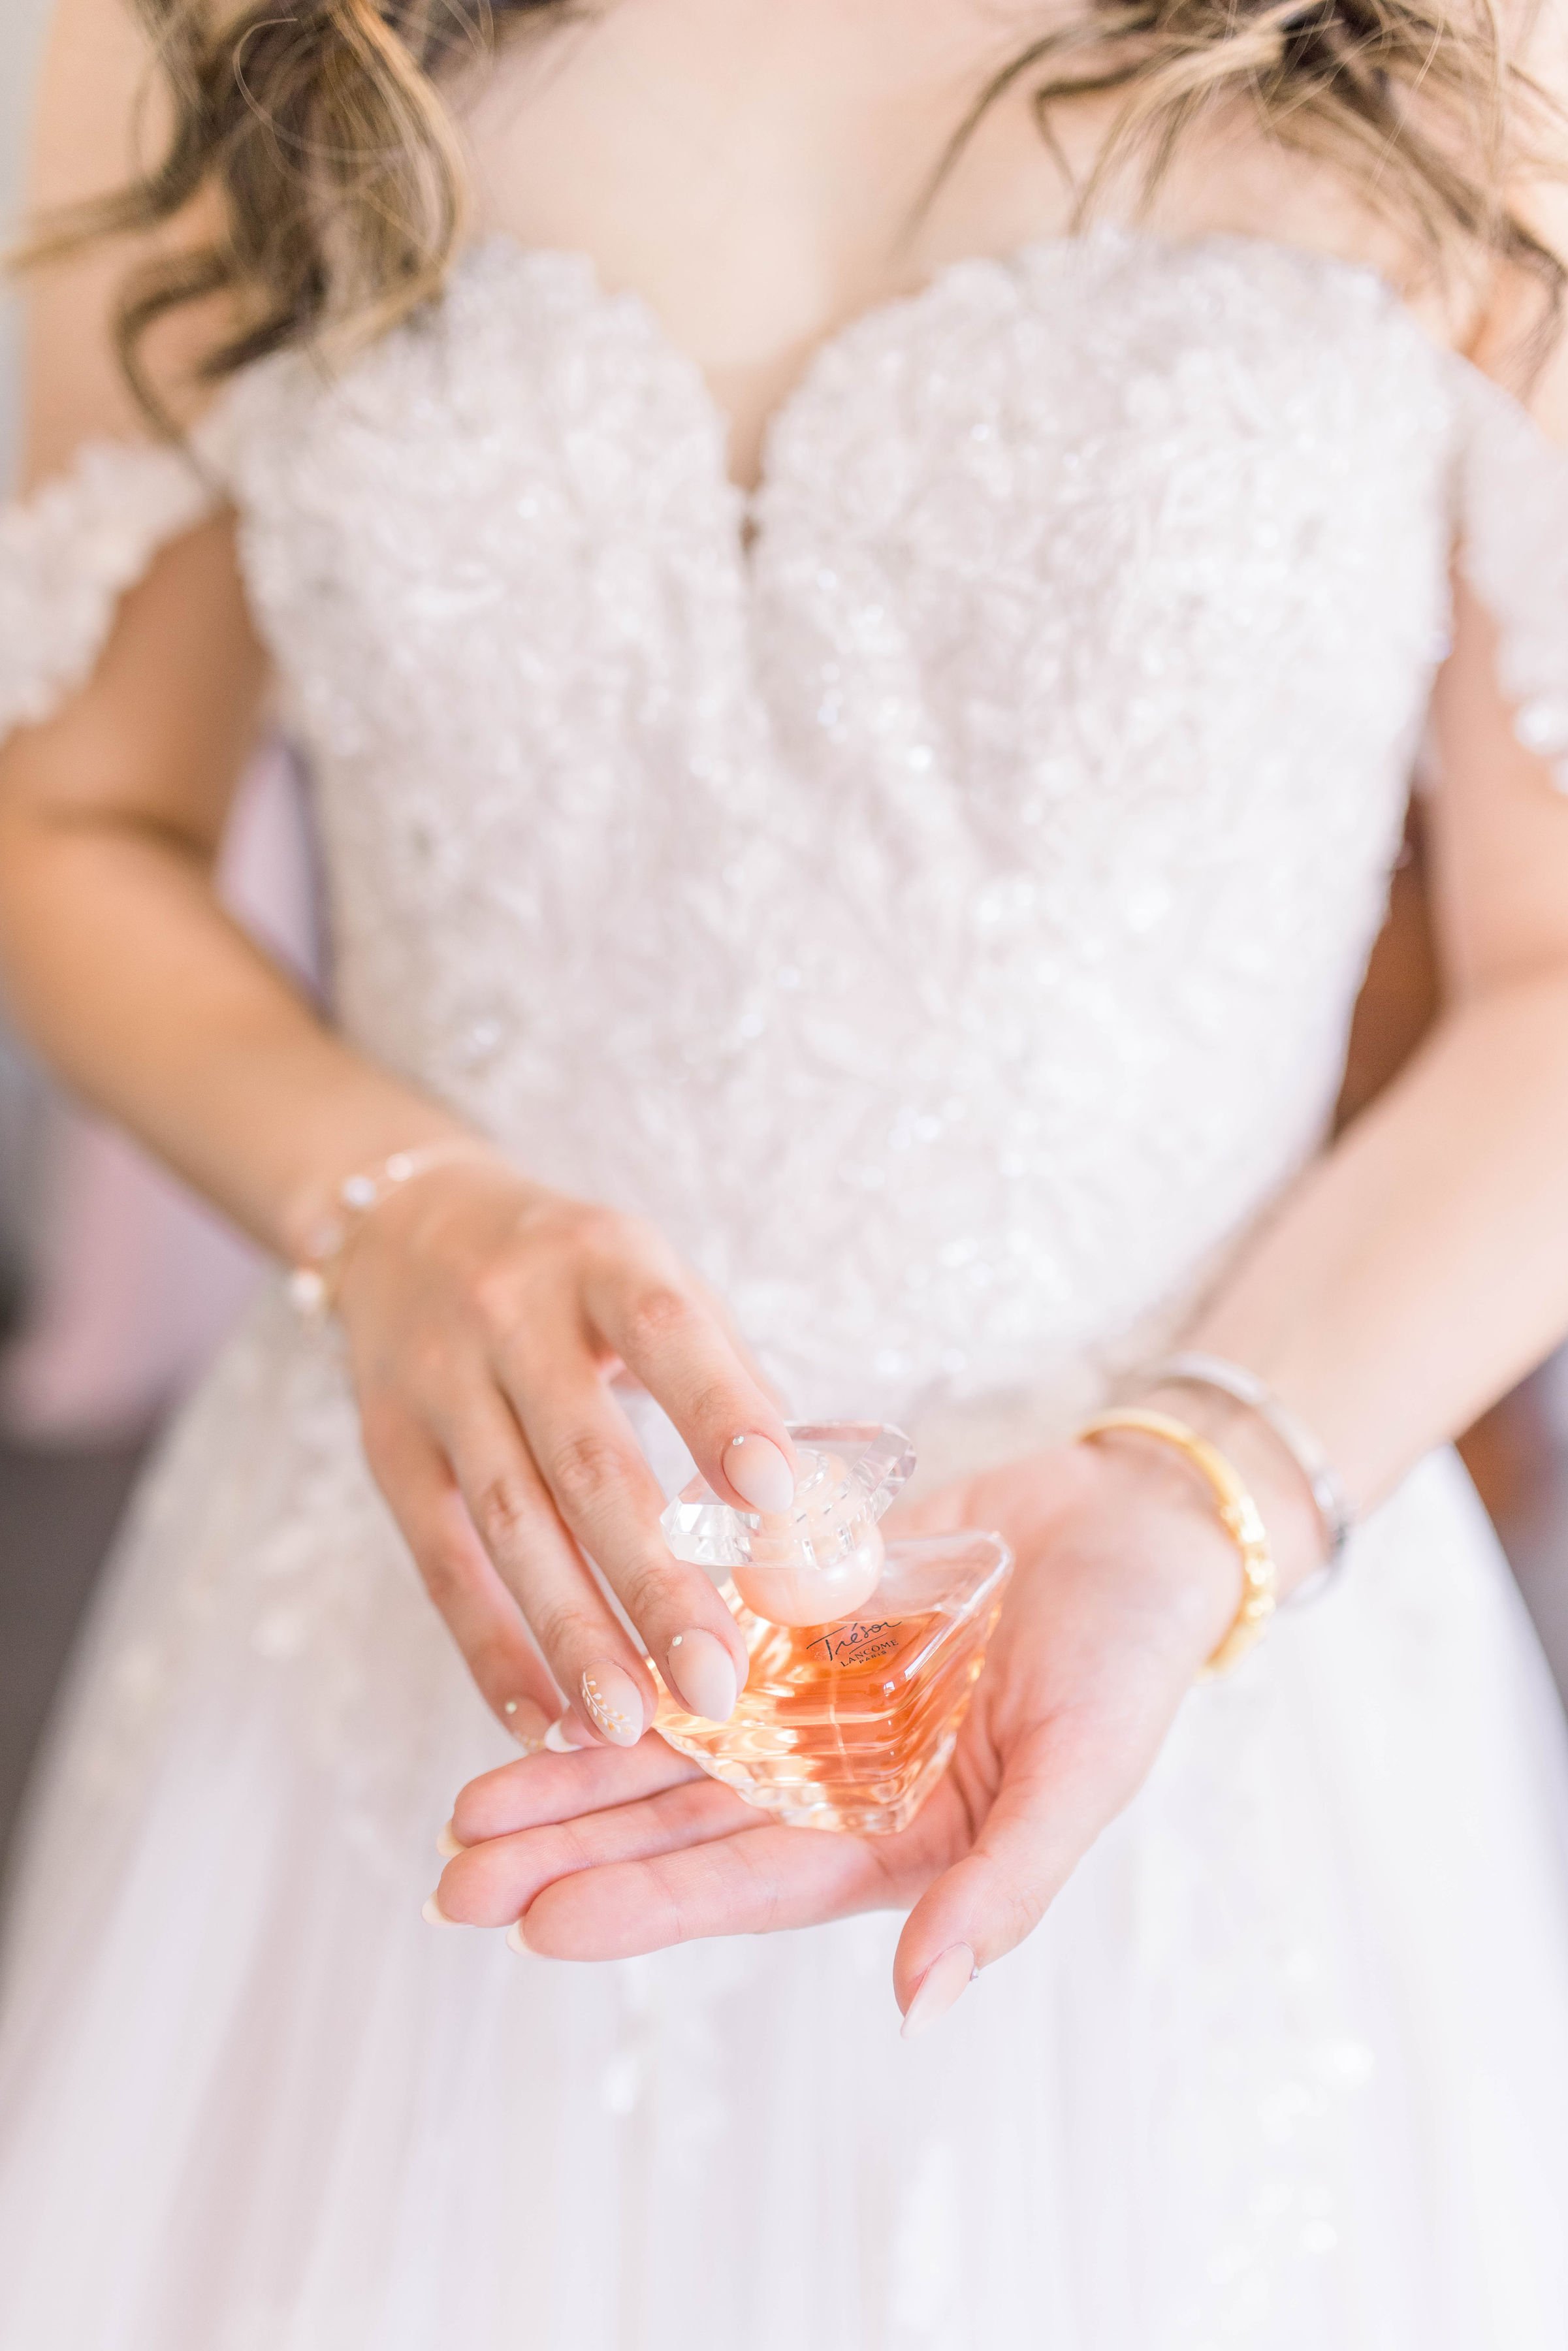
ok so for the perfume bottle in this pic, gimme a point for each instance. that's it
(863, 1654)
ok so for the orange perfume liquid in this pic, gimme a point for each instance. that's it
(846, 1723)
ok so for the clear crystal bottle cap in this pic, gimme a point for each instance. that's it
(850, 1472)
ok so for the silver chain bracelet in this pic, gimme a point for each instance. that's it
(1193, 1369)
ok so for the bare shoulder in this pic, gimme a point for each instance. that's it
(1235, 171)
(101, 118)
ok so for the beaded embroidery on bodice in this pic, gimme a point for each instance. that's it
(943, 914)
(941, 920)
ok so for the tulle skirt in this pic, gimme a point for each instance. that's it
(1286, 2065)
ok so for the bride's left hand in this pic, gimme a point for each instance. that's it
(1125, 1582)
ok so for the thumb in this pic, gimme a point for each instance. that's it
(1060, 1786)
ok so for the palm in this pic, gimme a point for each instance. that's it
(609, 1852)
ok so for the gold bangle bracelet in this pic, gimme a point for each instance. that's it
(1239, 1515)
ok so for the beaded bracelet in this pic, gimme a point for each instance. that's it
(1239, 1515)
(313, 1282)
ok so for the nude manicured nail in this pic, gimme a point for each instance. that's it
(703, 1671)
(435, 1916)
(449, 1846)
(759, 1474)
(529, 1723)
(567, 1734)
(514, 1940)
(614, 1703)
(939, 1987)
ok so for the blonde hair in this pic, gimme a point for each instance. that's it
(323, 130)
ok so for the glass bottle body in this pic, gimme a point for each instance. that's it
(849, 1724)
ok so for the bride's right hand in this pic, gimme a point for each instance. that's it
(484, 1318)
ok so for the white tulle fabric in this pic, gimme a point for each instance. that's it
(941, 912)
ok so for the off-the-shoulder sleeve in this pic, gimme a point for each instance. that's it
(68, 554)
(1513, 551)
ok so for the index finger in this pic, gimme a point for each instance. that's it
(670, 1338)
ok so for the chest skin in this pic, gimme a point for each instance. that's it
(761, 176)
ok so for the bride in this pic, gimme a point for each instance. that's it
(861, 584)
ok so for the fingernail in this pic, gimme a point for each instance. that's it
(449, 1846)
(514, 1940)
(759, 1474)
(435, 1916)
(703, 1671)
(566, 1735)
(939, 1987)
(614, 1703)
(529, 1723)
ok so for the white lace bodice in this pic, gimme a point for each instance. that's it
(942, 910)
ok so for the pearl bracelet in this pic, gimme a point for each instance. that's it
(313, 1281)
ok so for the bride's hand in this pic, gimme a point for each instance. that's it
(1125, 1582)
(484, 1317)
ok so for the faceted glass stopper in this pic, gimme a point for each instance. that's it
(819, 1560)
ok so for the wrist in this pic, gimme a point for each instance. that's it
(1284, 1501)
(1185, 1563)
(325, 1214)
(311, 1195)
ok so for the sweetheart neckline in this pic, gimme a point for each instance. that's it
(503, 245)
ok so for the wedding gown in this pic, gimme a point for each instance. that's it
(935, 893)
